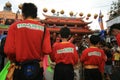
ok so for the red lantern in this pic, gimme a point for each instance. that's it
(45, 10)
(53, 10)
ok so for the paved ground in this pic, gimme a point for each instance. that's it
(116, 74)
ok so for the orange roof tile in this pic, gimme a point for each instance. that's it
(9, 15)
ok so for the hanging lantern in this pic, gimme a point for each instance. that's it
(53, 10)
(95, 16)
(81, 14)
(62, 11)
(8, 4)
(88, 15)
(20, 6)
(45, 10)
(71, 13)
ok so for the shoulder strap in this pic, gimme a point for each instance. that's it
(42, 40)
(43, 36)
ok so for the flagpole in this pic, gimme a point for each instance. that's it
(100, 20)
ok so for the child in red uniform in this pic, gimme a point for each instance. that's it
(65, 56)
(93, 60)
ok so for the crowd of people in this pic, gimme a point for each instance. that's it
(34, 56)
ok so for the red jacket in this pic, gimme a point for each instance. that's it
(118, 39)
(93, 56)
(24, 40)
(64, 52)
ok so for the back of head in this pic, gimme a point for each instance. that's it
(64, 32)
(94, 39)
(29, 10)
(114, 26)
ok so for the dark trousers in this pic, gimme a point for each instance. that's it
(92, 74)
(2, 59)
(63, 72)
(18, 75)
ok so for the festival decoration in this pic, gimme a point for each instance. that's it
(45, 10)
(101, 16)
(20, 6)
(101, 21)
(71, 13)
(95, 16)
(81, 14)
(8, 4)
(62, 11)
(53, 10)
(88, 15)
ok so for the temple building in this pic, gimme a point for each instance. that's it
(77, 25)
(7, 16)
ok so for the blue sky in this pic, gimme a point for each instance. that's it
(77, 6)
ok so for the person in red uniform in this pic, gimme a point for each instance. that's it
(115, 31)
(65, 55)
(27, 40)
(93, 60)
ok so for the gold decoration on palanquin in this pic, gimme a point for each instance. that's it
(53, 10)
(45, 10)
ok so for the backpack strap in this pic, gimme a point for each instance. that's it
(41, 54)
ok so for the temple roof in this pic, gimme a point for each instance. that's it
(64, 20)
(71, 22)
(84, 29)
(9, 15)
(73, 30)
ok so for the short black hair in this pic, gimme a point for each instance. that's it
(94, 39)
(65, 32)
(29, 10)
(114, 26)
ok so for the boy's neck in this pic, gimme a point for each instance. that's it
(64, 40)
(93, 46)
